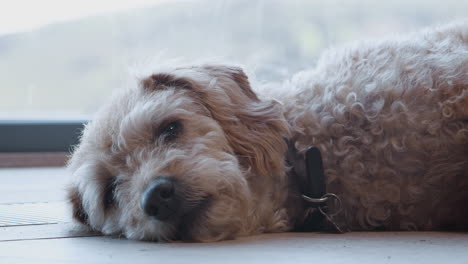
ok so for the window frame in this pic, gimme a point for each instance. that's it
(39, 135)
(36, 143)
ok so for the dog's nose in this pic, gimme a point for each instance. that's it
(159, 200)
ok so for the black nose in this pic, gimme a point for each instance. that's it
(159, 200)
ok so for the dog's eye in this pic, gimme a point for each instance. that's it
(171, 130)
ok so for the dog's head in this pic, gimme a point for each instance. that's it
(191, 154)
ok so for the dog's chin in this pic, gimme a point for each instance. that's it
(191, 220)
(152, 230)
(177, 227)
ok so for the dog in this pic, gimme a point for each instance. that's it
(194, 153)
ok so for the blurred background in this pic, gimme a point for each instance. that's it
(62, 59)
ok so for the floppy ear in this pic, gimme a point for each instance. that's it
(79, 214)
(255, 129)
(164, 80)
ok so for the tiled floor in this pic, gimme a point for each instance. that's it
(60, 242)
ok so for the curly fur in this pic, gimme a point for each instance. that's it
(390, 118)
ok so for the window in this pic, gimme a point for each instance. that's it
(60, 60)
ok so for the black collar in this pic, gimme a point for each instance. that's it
(307, 169)
(315, 180)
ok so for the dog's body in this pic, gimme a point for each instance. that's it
(195, 154)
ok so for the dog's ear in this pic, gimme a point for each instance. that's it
(255, 129)
(237, 75)
(164, 80)
(79, 214)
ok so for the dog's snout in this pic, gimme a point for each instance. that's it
(159, 200)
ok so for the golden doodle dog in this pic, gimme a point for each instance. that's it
(195, 153)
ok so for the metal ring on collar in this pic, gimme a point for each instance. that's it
(323, 199)
(338, 209)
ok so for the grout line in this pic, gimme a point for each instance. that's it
(48, 238)
(40, 224)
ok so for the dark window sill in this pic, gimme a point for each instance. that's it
(37, 143)
(39, 135)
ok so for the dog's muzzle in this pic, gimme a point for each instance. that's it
(160, 200)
